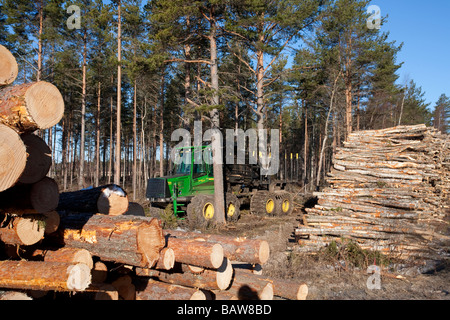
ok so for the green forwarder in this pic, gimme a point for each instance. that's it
(190, 189)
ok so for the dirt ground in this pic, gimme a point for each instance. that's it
(329, 279)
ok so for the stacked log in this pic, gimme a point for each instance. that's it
(238, 278)
(110, 199)
(28, 198)
(389, 191)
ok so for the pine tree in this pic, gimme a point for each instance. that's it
(441, 114)
(415, 107)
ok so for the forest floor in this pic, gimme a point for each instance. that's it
(329, 278)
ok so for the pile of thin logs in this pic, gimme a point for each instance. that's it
(389, 191)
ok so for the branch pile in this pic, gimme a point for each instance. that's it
(389, 191)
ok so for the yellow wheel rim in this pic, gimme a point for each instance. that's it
(286, 205)
(231, 210)
(208, 211)
(270, 205)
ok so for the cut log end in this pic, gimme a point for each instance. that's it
(217, 255)
(79, 277)
(302, 292)
(267, 292)
(113, 201)
(29, 230)
(168, 258)
(150, 240)
(224, 274)
(198, 295)
(264, 252)
(13, 157)
(45, 104)
(8, 67)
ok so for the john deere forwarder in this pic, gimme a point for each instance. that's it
(190, 189)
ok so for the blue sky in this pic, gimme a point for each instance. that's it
(424, 28)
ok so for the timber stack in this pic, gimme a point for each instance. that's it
(388, 191)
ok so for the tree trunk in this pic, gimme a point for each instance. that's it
(217, 144)
(135, 144)
(119, 97)
(161, 126)
(306, 146)
(8, 68)
(41, 25)
(325, 136)
(31, 106)
(83, 114)
(97, 137)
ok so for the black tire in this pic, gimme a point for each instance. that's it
(200, 211)
(232, 207)
(285, 203)
(264, 203)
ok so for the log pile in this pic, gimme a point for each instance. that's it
(389, 191)
(106, 257)
(28, 198)
(90, 242)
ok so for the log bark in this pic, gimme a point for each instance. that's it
(71, 255)
(246, 286)
(155, 290)
(31, 106)
(121, 239)
(39, 275)
(289, 289)
(39, 197)
(52, 221)
(39, 159)
(166, 259)
(13, 157)
(196, 252)
(8, 67)
(235, 249)
(110, 199)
